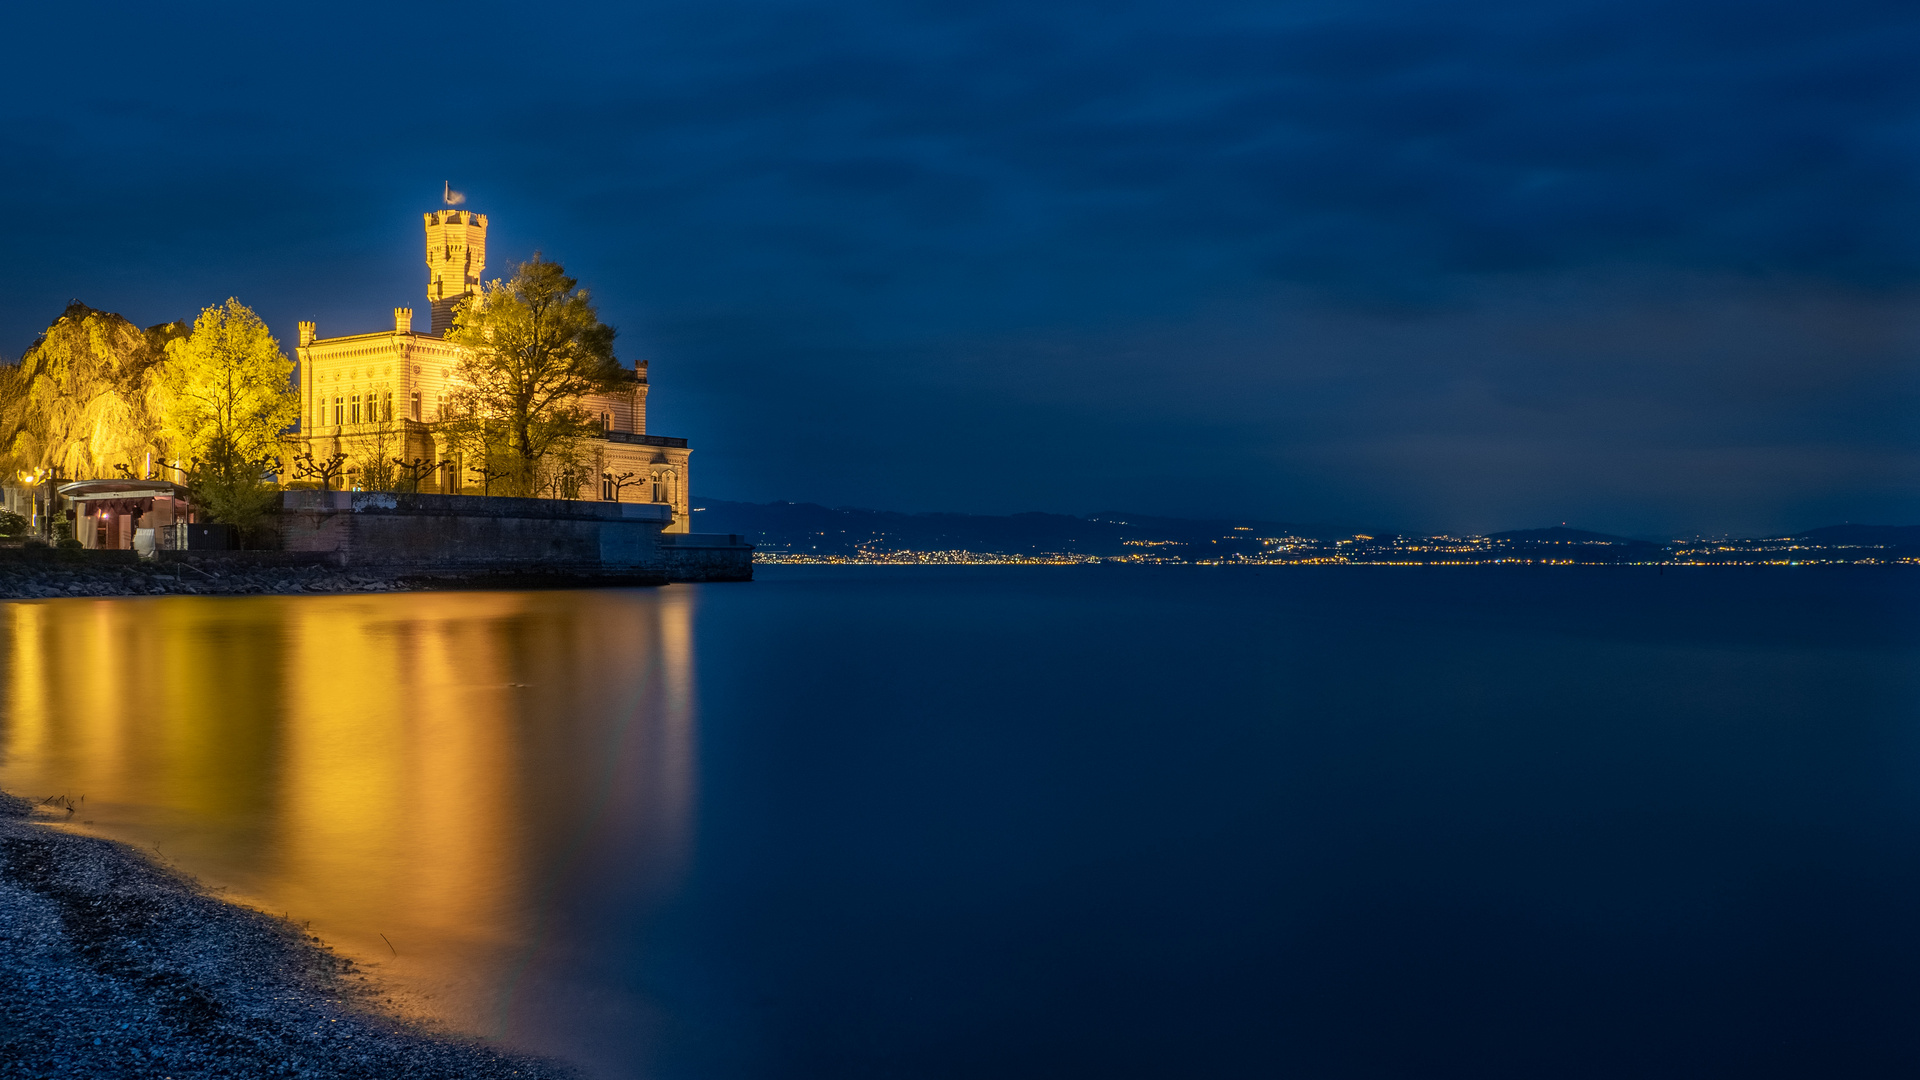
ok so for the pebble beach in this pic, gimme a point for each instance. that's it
(116, 966)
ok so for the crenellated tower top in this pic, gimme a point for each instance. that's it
(456, 256)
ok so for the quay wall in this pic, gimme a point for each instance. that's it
(249, 557)
(20, 554)
(705, 557)
(493, 534)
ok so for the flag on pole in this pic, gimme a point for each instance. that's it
(453, 198)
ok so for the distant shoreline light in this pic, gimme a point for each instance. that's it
(973, 558)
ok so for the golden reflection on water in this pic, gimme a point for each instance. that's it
(415, 774)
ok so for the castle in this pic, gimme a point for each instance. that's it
(382, 396)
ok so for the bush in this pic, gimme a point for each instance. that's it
(12, 524)
(68, 543)
(232, 488)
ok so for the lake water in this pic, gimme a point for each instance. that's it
(1043, 822)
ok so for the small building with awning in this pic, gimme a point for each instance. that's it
(142, 515)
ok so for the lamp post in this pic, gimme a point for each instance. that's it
(53, 497)
(40, 483)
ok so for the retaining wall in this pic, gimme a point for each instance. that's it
(20, 553)
(490, 534)
(706, 557)
(249, 557)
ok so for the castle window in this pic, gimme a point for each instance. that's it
(414, 404)
(355, 409)
(339, 412)
(386, 405)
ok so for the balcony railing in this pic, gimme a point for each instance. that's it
(643, 440)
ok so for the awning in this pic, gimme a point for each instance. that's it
(85, 490)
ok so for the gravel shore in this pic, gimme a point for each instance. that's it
(50, 580)
(53, 580)
(111, 966)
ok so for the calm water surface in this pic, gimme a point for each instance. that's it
(1101, 821)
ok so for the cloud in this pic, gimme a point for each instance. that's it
(1440, 263)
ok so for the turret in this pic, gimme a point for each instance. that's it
(403, 320)
(456, 256)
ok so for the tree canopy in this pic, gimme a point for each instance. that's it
(229, 399)
(86, 397)
(229, 385)
(530, 349)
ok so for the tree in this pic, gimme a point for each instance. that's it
(230, 399)
(487, 473)
(530, 349)
(562, 470)
(417, 471)
(326, 469)
(374, 442)
(612, 484)
(81, 398)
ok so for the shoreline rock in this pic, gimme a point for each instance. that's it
(53, 580)
(120, 967)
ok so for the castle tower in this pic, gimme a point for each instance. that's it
(456, 255)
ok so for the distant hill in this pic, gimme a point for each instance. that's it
(804, 531)
(1560, 534)
(1886, 536)
(809, 528)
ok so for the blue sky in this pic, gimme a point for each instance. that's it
(1644, 267)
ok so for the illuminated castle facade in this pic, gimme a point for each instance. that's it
(381, 396)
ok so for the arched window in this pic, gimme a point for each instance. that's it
(339, 412)
(353, 409)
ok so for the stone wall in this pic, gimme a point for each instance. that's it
(249, 557)
(456, 533)
(34, 554)
(706, 557)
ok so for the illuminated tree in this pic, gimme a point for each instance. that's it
(487, 474)
(230, 399)
(81, 398)
(530, 349)
(326, 469)
(373, 443)
(417, 471)
(562, 470)
(612, 484)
